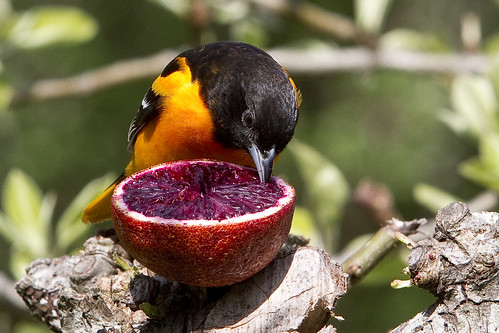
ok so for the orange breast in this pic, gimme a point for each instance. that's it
(183, 130)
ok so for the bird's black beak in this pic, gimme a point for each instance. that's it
(264, 161)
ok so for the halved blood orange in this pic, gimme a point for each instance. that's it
(201, 222)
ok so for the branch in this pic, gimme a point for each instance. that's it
(95, 80)
(303, 62)
(377, 200)
(359, 264)
(313, 62)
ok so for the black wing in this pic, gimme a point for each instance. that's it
(150, 107)
(148, 110)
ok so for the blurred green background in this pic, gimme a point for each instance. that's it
(398, 127)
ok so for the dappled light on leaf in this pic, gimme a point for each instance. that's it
(50, 25)
(326, 188)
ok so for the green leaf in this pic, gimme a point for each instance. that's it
(49, 25)
(474, 99)
(19, 260)
(8, 230)
(70, 230)
(433, 198)
(370, 14)
(485, 168)
(476, 171)
(21, 198)
(489, 151)
(454, 121)
(326, 189)
(178, 7)
(46, 212)
(250, 31)
(303, 225)
(30, 327)
(493, 74)
(27, 213)
(405, 39)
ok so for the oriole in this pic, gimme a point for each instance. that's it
(226, 101)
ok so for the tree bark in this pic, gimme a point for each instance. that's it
(460, 266)
(91, 292)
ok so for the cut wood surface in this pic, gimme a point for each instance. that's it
(90, 292)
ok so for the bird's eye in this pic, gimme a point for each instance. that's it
(248, 118)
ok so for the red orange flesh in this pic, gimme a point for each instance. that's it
(201, 222)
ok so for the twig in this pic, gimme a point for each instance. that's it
(95, 80)
(366, 258)
(323, 61)
(312, 16)
(377, 200)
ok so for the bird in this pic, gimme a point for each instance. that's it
(228, 101)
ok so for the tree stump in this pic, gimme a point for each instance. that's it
(460, 266)
(91, 292)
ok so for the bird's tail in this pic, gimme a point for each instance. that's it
(99, 209)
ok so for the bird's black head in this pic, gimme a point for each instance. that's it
(251, 97)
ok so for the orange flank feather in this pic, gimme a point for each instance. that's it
(183, 130)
